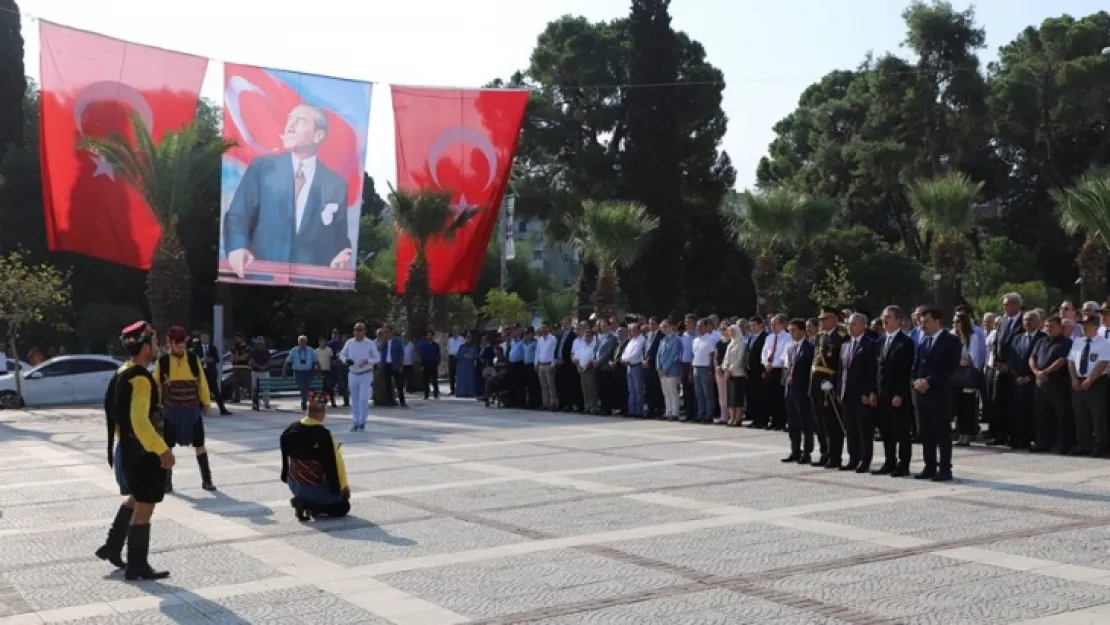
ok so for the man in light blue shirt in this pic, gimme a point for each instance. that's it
(517, 380)
(302, 360)
(531, 378)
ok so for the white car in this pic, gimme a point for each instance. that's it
(11, 366)
(73, 379)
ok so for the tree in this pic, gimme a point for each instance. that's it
(29, 294)
(945, 209)
(168, 175)
(505, 308)
(836, 287)
(462, 312)
(424, 217)
(13, 83)
(611, 235)
(1085, 209)
(554, 307)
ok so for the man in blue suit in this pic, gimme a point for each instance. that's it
(289, 207)
(938, 356)
(393, 359)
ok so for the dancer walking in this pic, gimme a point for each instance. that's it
(185, 401)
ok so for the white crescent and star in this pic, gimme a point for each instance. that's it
(463, 135)
(236, 87)
(109, 91)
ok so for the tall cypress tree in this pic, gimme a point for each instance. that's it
(651, 160)
(13, 82)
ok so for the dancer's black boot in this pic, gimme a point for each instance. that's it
(112, 550)
(205, 472)
(138, 549)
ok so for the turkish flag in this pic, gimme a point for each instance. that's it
(461, 141)
(91, 85)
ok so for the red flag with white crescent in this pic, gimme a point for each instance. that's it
(462, 141)
(91, 85)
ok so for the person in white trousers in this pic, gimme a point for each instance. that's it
(361, 356)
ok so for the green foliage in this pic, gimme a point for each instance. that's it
(553, 307)
(505, 308)
(31, 294)
(1034, 294)
(462, 312)
(836, 287)
(1000, 260)
(612, 234)
(98, 323)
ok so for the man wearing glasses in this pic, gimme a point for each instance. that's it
(361, 357)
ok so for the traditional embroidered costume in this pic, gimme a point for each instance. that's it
(312, 465)
(185, 396)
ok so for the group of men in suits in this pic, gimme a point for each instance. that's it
(849, 380)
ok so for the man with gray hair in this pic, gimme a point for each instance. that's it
(1003, 393)
(289, 207)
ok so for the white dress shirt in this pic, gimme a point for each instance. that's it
(704, 346)
(409, 349)
(308, 166)
(1100, 352)
(364, 353)
(453, 345)
(769, 345)
(545, 349)
(582, 352)
(633, 352)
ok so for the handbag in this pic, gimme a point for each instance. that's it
(965, 378)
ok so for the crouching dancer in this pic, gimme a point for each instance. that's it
(312, 465)
(185, 401)
(141, 459)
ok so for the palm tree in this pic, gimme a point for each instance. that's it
(425, 217)
(1085, 208)
(760, 222)
(553, 307)
(611, 235)
(944, 208)
(167, 175)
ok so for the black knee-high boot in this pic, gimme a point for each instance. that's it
(205, 472)
(112, 550)
(138, 549)
(169, 480)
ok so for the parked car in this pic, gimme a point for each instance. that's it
(71, 379)
(22, 365)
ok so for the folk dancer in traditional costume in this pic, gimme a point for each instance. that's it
(185, 399)
(132, 407)
(312, 465)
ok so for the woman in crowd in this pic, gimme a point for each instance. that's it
(736, 356)
(483, 362)
(721, 373)
(966, 384)
(465, 380)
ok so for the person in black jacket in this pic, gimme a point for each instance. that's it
(799, 408)
(936, 360)
(893, 408)
(1022, 428)
(312, 465)
(568, 386)
(756, 392)
(653, 389)
(856, 387)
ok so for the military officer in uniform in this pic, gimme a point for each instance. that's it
(826, 411)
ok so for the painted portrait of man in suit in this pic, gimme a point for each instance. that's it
(290, 207)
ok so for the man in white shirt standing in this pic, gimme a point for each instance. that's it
(704, 383)
(1087, 363)
(545, 366)
(454, 342)
(361, 356)
(633, 359)
(774, 360)
(583, 354)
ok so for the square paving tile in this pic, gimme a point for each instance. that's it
(744, 549)
(32, 476)
(426, 475)
(1073, 498)
(36, 494)
(517, 493)
(102, 508)
(1083, 547)
(933, 520)
(771, 493)
(653, 477)
(602, 442)
(495, 453)
(527, 582)
(400, 541)
(591, 516)
(564, 461)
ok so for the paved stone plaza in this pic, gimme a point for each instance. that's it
(466, 515)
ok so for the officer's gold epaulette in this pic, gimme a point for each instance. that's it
(842, 332)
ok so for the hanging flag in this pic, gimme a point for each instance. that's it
(461, 141)
(510, 232)
(292, 189)
(91, 85)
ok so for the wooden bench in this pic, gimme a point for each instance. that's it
(268, 387)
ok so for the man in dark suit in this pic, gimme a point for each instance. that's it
(1022, 428)
(603, 371)
(1002, 406)
(893, 408)
(652, 387)
(937, 358)
(1052, 397)
(799, 408)
(290, 207)
(210, 360)
(566, 373)
(756, 386)
(822, 387)
(857, 393)
(393, 359)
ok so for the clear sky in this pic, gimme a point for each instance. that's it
(769, 51)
